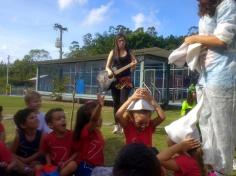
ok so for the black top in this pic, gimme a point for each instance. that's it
(28, 148)
(119, 62)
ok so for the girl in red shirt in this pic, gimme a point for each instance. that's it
(88, 139)
(184, 158)
(135, 117)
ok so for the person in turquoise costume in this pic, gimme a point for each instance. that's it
(217, 82)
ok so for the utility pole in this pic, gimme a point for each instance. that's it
(8, 58)
(7, 85)
(59, 40)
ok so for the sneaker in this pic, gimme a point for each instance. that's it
(116, 129)
(234, 164)
(120, 130)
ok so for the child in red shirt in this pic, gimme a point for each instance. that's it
(6, 160)
(2, 129)
(135, 117)
(88, 139)
(184, 158)
(57, 144)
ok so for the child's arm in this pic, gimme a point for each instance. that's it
(96, 114)
(165, 157)
(121, 114)
(15, 143)
(72, 158)
(160, 114)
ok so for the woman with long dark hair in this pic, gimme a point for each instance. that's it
(119, 57)
(217, 33)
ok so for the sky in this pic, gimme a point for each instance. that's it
(28, 24)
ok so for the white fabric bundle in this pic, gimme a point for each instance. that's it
(186, 54)
(186, 125)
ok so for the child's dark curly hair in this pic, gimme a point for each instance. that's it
(21, 116)
(136, 160)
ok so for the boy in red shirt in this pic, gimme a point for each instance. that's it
(135, 117)
(57, 144)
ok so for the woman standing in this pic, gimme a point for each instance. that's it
(119, 57)
(217, 29)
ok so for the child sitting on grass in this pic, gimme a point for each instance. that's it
(184, 158)
(88, 139)
(7, 161)
(135, 117)
(27, 140)
(136, 160)
(57, 144)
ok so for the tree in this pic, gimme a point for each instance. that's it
(22, 70)
(39, 54)
(192, 30)
(87, 39)
(102, 43)
(151, 31)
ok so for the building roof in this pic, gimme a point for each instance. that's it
(155, 51)
(35, 78)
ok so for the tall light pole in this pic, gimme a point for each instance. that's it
(7, 85)
(8, 58)
(59, 41)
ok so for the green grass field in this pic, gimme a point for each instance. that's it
(113, 142)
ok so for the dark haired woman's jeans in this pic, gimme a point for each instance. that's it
(119, 96)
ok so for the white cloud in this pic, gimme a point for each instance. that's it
(138, 20)
(66, 3)
(146, 20)
(97, 15)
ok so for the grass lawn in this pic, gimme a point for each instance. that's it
(113, 142)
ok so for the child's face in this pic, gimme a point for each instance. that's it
(141, 120)
(31, 122)
(58, 123)
(35, 104)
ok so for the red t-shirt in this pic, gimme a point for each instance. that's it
(5, 154)
(2, 129)
(58, 148)
(132, 135)
(188, 166)
(90, 147)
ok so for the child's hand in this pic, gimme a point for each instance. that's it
(190, 143)
(100, 99)
(140, 93)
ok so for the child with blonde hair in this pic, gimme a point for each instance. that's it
(33, 101)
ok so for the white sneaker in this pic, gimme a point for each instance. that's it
(116, 129)
(234, 164)
(121, 131)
